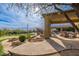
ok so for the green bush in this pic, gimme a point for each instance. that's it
(69, 29)
(22, 38)
(28, 36)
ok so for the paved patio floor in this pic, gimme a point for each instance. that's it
(46, 47)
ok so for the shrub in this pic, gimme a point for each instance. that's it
(28, 36)
(22, 38)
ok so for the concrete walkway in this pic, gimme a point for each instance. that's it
(46, 47)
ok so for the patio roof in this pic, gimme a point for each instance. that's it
(58, 17)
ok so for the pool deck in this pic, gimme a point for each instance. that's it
(46, 47)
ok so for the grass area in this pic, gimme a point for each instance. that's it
(2, 38)
(14, 36)
(1, 50)
(5, 37)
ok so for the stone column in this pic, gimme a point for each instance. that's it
(47, 29)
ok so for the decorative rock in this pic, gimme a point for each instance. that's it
(36, 39)
(14, 44)
(12, 39)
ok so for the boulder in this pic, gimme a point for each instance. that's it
(37, 38)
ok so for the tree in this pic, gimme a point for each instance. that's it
(32, 7)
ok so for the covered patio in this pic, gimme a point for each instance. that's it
(52, 43)
(60, 18)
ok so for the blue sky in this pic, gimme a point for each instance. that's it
(14, 18)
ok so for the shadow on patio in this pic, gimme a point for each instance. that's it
(54, 44)
(71, 47)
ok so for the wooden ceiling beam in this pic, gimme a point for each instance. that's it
(69, 20)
